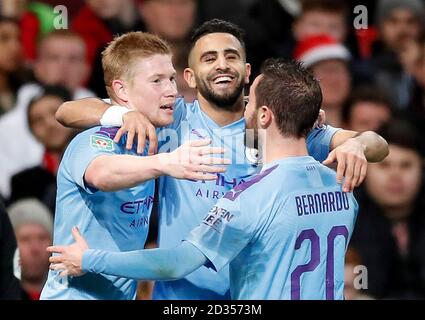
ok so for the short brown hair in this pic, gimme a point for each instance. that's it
(121, 53)
(293, 95)
(217, 26)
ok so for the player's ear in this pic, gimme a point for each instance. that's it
(120, 90)
(189, 76)
(265, 116)
(247, 72)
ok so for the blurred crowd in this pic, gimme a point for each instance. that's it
(371, 67)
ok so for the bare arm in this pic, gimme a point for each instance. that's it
(87, 112)
(190, 161)
(351, 151)
(375, 147)
(112, 173)
(81, 114)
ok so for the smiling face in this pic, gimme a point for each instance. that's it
(151, 88)
(218, 69)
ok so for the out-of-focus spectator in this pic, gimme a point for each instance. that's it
(61, 61)
(267, 25)
(232, 11)
(351, 274)
(399, 23)
(33, 226)
(322, 17)
(278, 25)
(12, 74)
(173, 20)
(317, 17)
(390, 229)
(36, 20)
(97, 22)
(40, 181)
(10, 288)
(367, 108)
(42, 122)
(413, 60)
(180, 62)
(283, 23)
(328, 60)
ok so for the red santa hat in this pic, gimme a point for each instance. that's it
(318, 48)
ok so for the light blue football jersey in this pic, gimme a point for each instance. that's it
(116, 221)
(183, 203)
(284, 233)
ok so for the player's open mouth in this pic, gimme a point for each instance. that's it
(223, 79)
(167, 107)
